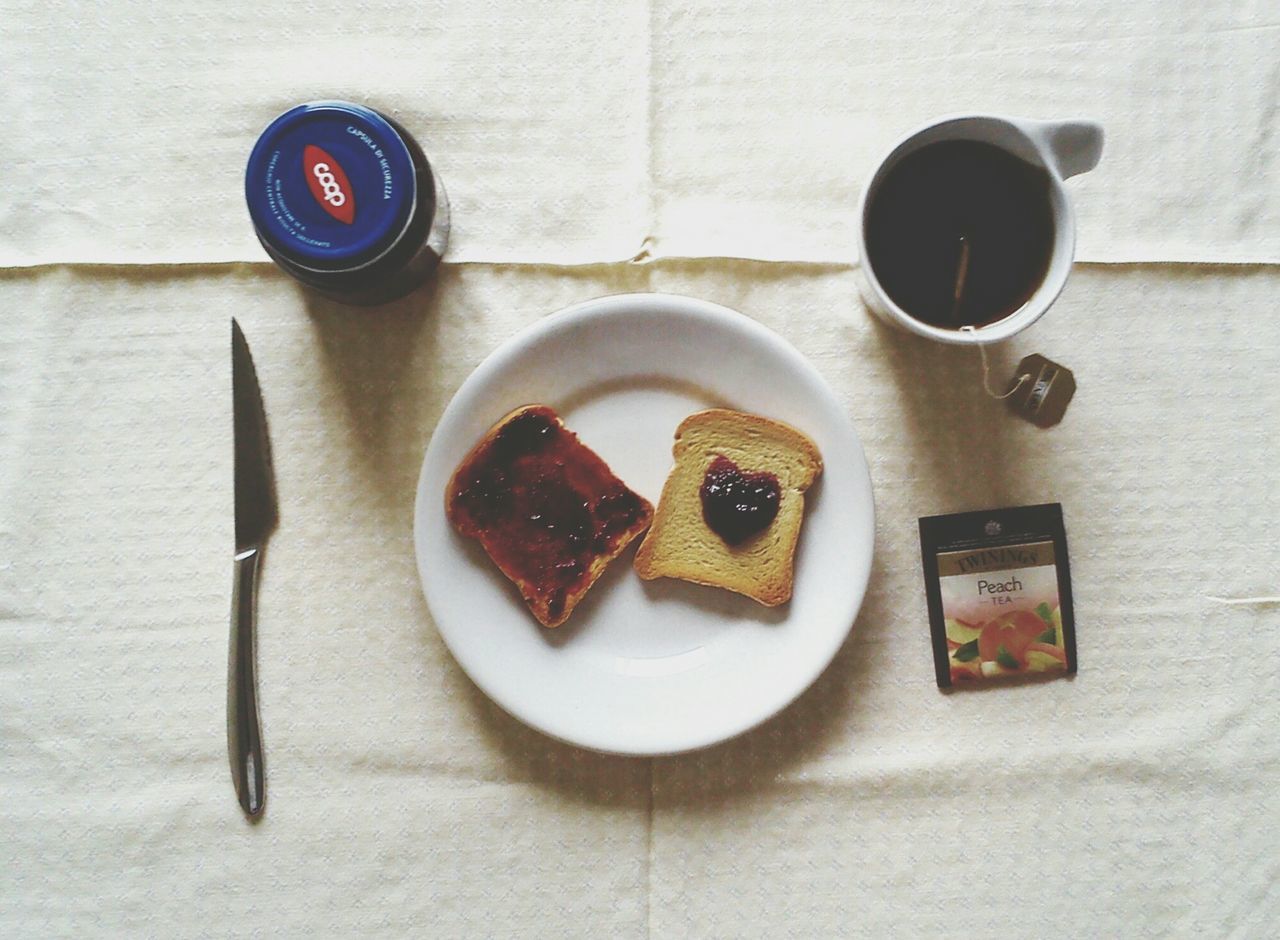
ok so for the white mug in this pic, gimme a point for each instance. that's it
(1064, 148)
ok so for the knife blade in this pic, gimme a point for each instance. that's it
(256, 517)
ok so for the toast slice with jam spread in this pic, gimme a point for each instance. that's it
(548, 511)
(731, 509)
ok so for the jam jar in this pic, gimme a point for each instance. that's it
(344, 200)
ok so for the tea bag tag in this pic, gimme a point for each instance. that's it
(1040, 391)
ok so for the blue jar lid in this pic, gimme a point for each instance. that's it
(330, 185)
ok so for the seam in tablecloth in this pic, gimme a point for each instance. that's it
(648, 858)
(645, 251)
(643, 259)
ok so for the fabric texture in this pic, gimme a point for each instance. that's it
(579, 133)
(1136, 799)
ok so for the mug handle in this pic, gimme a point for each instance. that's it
(1074, 147)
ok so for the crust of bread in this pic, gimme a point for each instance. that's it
(681, 545)
(540, 604)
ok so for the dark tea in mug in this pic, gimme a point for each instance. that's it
(960, 233)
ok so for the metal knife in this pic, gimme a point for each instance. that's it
(256, 516)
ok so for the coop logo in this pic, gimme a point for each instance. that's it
(329, 184)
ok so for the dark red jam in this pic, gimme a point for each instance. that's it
(737, 505)
(543, 505)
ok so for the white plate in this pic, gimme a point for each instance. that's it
(661, 666)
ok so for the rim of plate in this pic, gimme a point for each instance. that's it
(621, 306)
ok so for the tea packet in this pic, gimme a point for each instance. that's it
(999, 592)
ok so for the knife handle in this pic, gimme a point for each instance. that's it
(244, 733)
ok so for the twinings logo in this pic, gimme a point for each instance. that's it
(329, 184)
(1010, 557)
(980, 560)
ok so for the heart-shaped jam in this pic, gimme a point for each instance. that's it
(737, 505)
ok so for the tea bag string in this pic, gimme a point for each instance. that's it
(962, 275)
(1023, 379)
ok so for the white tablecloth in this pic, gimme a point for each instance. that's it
(1137, 799)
